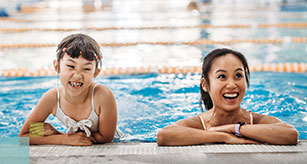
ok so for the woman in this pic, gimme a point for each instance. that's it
(223, 84)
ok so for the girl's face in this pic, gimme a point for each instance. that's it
(76, 73)
(227, 82)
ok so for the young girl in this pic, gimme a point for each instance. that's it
(86, 108)
(223, 84)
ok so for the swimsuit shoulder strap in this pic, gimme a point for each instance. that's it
(58, 97)
(93, 96)
(251, 117)
(202, 121)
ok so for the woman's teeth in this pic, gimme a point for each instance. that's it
(230, 95)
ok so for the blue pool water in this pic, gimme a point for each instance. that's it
(148, 102)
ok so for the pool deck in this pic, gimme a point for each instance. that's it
(139, 152)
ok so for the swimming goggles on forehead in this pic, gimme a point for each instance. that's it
(89, 55)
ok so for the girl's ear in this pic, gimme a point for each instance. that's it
(56, 66)
(97, 71)
(204, 84)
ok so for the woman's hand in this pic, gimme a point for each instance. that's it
(232, 139)
(230, 128)
(78, 139)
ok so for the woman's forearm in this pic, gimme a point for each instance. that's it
(176, 135)
(278, 133)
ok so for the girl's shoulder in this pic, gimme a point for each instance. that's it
(102, 93)
(102, 90)
(48, 101)
(50, 95)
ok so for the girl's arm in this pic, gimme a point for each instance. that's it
(188, 132)
(46, 134)
(39, 113)
(267, 129)
(107, 115)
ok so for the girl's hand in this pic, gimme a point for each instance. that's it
(78, 139)
(230, 128)
(232, 139)
(50, 130)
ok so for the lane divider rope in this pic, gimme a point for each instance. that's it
(201, 26)
(281, 67)
(17, 19)
(196, 42)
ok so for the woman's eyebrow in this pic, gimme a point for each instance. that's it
(220, 70)
(238, 69)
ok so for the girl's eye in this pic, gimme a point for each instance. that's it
(238, 75)
(221, 77)
(70, 66)
(87, 69)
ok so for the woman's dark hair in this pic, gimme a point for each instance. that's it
(79, 44)
(205, 97)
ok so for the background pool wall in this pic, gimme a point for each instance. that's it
(14, 150)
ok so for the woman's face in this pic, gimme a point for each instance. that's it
(76, 74)
(227, 82)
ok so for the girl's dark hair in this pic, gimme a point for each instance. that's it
(205, 97)
(79, 44)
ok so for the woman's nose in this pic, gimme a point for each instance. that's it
(231, 84)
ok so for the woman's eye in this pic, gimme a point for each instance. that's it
(239, 75)
(221, 77)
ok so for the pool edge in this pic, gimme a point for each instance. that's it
(140, 152)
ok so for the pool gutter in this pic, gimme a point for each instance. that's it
(138, 152)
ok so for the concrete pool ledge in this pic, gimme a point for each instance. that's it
(139, 152)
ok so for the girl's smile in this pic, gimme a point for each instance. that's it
(75, 85)
(77, 74)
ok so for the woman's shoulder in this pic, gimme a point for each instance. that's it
(194, 122)
(264, 119)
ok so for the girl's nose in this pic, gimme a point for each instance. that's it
(77, 74)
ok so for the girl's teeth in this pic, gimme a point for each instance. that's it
(75, 84)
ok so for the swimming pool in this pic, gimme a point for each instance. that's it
(148, 102)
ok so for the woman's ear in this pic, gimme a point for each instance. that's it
(97, 71)
(56, 66)
(204, 84)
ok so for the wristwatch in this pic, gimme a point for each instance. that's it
(237, 128)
